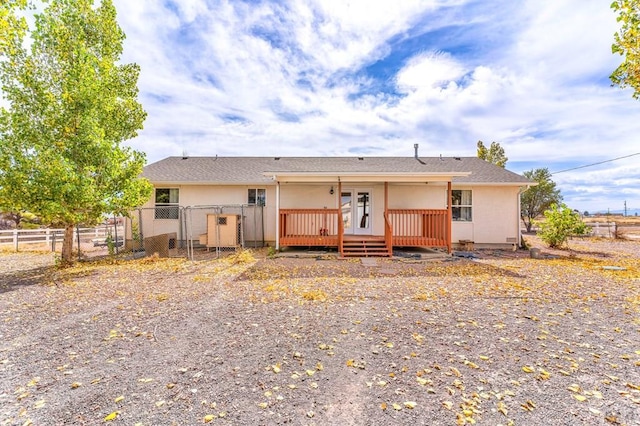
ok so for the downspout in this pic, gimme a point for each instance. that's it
(277, 216)
(519, 219)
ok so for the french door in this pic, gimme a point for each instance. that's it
(355, 205)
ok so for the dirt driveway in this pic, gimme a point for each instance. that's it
(500, 339)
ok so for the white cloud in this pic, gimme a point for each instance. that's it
(290, 78)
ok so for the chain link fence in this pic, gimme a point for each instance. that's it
(156, 230)
(221, 229)
(194, 232)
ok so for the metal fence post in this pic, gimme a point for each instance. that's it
(115, 232)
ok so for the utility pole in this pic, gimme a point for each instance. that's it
(625, 208)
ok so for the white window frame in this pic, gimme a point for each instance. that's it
(164, 210)
(259, 197)
(461, 204)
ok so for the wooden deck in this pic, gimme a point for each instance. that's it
(403, 228)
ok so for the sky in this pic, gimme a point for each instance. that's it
(373, 78)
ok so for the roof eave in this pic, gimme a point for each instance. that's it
(363, 176)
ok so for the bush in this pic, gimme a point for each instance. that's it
(560, 223)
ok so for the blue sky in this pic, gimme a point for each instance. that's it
(363, 77)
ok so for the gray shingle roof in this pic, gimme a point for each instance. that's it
(251, 170)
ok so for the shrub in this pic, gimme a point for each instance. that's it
(560, 223)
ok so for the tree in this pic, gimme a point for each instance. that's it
(20, 220)
(535, 200)
(626, 44)
(71, 105)
(560, 223)
(494, 154)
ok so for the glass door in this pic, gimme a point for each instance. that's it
(356, 210)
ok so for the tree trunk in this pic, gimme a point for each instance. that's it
(527, 222)
(67, 246)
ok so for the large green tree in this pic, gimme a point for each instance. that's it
(627, 44)
(539, 198)
(494, 154)
(71, 104)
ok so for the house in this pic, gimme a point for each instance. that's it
(359, 205)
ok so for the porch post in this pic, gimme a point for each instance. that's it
(340, 224)
(277, 215)
(386, 198)
(388, 236)
(449, 217)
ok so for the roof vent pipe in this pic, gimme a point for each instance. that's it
(415, 147)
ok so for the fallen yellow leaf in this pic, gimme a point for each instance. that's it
(502, 408)
(422, 381)
(575, 388)
(111, 416)
(208, 418)
(118, 399)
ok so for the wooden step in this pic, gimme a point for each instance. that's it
(366, 247)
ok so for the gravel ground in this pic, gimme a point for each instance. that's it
(499, 339)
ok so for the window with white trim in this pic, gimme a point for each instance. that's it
(167, 206)
(257, 196)
(461, 205)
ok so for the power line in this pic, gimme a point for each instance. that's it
(595, 164)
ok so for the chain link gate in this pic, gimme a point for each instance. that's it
(222, 229)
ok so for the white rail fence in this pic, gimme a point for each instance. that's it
(51, 239)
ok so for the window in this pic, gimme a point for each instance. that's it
(167, 203)
(257, 196)
(461, 205)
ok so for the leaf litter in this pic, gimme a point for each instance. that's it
(501, 339)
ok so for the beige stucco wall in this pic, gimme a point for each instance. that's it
(209, 195)
(494, 208)
(494, 216)
(310, 196)
(424, 196)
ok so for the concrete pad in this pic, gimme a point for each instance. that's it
(369, 261)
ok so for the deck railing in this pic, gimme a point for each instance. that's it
(419, 227)
(309, 227)
(402, 227)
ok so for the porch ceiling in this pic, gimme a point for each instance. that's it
(332, 177)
